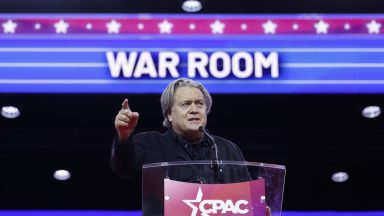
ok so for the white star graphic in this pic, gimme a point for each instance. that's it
(347, 26)
(61, 27)
(192, 26)
(89, 26)
(165, 27)
(198, 199)
(295, 26)
(140, 26)
(373, 27)
(9, 27)
(243, 26)
(37, 26)
(217, 27)
(269, 27)
(321, 27)
(113, 27)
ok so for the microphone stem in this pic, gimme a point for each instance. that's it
(215, 165)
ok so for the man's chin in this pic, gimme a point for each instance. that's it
(195, 127)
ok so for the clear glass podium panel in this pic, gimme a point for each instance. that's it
(265, 179)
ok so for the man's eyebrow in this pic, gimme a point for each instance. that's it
(185, 100)
(191, 100)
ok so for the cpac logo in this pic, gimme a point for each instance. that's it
(207, 207)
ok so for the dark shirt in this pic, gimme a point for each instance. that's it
(191, 151)
(127, 158)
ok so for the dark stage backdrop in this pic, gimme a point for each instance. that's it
(313, 135)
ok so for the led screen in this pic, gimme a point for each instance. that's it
(141, 53)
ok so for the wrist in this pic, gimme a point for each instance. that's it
(123, 136)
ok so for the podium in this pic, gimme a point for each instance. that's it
(191, 188)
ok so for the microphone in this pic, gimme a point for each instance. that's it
(215, 162)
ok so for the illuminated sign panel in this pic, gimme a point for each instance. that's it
(244, 198)
(228, 53)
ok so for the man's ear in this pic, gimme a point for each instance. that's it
(169, 117)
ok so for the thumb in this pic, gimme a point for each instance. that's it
(125, 105)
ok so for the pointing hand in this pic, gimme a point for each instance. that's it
(125, 121)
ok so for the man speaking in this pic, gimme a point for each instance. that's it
(185, 104)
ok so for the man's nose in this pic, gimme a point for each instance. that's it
(194, 108)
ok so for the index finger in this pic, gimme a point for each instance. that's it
(125, 104)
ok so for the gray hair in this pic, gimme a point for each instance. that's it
(168, 97)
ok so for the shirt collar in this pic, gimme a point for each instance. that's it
(185, 143)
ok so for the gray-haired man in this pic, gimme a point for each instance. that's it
(185, 104)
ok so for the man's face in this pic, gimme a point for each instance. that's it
(188, 112)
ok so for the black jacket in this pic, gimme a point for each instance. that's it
(127, 158)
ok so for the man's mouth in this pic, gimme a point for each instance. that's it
(193, 119)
